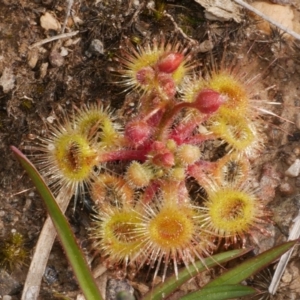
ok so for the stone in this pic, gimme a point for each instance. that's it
(33, 57)
(96, 47)
(55, 58)
(8, 285)
(294, 169)
(114, 287)
(206, 46)
(7, 80)
(286, 189)
(43, 70)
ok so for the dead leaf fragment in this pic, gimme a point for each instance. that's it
(221, 10)
(49, 22)
(283, 15)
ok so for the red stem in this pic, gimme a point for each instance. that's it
(169, 117)
(124, 154)
(150, 191)
(200, 171)
(199, 138)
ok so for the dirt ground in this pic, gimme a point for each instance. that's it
(38, 83)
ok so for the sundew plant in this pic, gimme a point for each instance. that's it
(147, 214)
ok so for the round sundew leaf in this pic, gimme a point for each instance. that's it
(232, 212)
(234, 129)
(229, 86)
(74, 156)
(116, 234)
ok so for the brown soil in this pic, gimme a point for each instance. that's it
(41, 83)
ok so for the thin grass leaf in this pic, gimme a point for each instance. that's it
(251, 266)
(222, 292)
(64, 232)
(171, 284)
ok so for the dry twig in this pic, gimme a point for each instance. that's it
(294, 234)
(178, 29)
(41, 254)
(68, 10)
(54, 38)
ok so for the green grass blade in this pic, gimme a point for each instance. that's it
(65, 234)
(171, 284)
(251, 266)
(222, 292)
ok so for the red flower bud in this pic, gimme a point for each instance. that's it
(170, 62)
(208, 101)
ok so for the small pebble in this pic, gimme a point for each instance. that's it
(7, 80)
(286, 189)
(64, 51)
(55, 58)
(8, 285)
(136, 3)
(27, 204)
(115, 286)
(96, 47)
(50, 119)
(294, 169)
(31, 194)
(43, 70)
(206, 46)
(32, 57)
